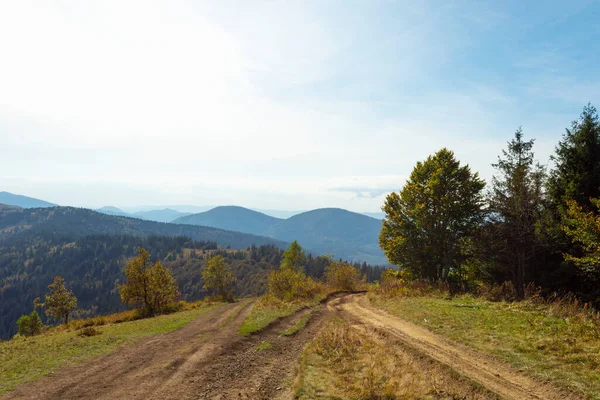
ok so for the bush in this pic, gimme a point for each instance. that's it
(288, 284)
(343, 276)
(89, 331)
(30, 325)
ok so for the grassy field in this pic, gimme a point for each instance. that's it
(536, 339)
(24, 360)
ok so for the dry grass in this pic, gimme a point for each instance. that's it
(343, 362)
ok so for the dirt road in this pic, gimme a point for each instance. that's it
(496, 376)
(208, 359)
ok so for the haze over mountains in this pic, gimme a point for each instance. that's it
(342, 233)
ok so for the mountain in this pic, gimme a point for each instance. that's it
(164, 215)
(232, 218)
(343, 233)
(22, 201)
(336, 231)
(376, 215)
(110, 210)
(58, 222)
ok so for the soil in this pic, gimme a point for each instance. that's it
(208, 359)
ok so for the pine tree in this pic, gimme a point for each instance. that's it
(515, 205)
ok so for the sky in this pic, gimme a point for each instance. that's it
(287, 105)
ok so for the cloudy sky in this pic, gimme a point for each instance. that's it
(278, 104)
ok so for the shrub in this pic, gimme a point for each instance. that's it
(30, 325)
(343, 276)
(89, 331)
(289, 284)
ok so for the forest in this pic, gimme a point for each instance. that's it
(92, 267)
(530, 227)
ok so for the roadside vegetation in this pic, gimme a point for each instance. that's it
(290, 289)
(552, 339)
(28, 358)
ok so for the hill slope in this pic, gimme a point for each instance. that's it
(232, 218)
(22, 201)
(78, 222)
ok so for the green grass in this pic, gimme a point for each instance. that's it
(263, 315)
(298, 326)
(264, 345)
(24, 360)
(565, 351)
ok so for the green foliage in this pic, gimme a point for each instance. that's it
(576, 175)
(287, 284)
(515, 205)
(218, 277)
(343, 276)
(583, 228)
(60, 302)
(294, 257)
(440, 203)
(151, 286)
(30, 325)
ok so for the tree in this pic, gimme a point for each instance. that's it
(515, 206)
(150, 285)
(583, 227)
(440, 204)
(60, 302)
(576, 175)
(30, 325)
(343, 276)
(293, 257)
(218, 277)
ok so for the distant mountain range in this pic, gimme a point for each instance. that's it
(344, 234)
(22, 201)
(19, 224)
(164, 215)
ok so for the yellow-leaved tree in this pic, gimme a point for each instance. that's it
(150, 285)
(343, 276)
(218, 277)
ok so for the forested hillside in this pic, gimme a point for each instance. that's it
(92, 267)
(58, 222)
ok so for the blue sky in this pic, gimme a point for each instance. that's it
(285, 105)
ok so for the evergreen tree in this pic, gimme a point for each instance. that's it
(515, 205)
(294, 257)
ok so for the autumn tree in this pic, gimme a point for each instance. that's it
(583, 227)
(60, 301)
(147, 284)
(515, 205)
(426, 222)
(219, 278)
(343, 276)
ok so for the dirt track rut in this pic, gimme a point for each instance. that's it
(497, 377)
